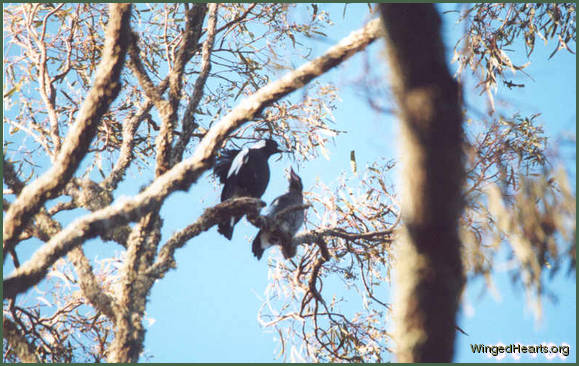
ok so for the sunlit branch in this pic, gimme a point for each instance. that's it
(210, 217)
(90, 286)
(182, 175)
(188, 121)
(126, 154)
(46, 89)
(193, 25)
(45, 227)
(76, 144)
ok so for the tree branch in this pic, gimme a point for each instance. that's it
(188, 121)
(135, 64)
(193, 25)
(105, 89)
(47, 92)
(126, 156)
(129, 330)
(11, 178)
(23, 349)
(182, 175)
(89, 285)
(46, 227)
(210, 217)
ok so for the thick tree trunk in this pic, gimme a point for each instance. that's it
(429, 270)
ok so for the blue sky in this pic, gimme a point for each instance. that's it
(205, 310)
(213, 317)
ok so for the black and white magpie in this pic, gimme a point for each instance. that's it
(244, 173)
(289, 222)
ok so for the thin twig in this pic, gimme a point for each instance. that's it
(187, 172)
(105, 89)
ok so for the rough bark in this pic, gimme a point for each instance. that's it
(105, 89)
(46, 227)
(23, 349)
(428, 269)
(144, 239)
(188, 124)
(129, 329)
(185, 173)
(193, 25)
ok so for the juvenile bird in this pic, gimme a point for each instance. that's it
(289, 222)
(244, 173)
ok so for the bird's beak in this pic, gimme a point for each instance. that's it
(293, 174)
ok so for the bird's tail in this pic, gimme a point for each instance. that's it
(262, 241)
(256, 246)
(226, 228)
(223, 163)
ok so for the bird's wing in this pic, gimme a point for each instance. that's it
(285, 200)
(238, 162)
(223, 163)
(291, 221)
(277, 205)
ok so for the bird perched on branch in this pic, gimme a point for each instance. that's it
(244, 173)
(288, 219)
